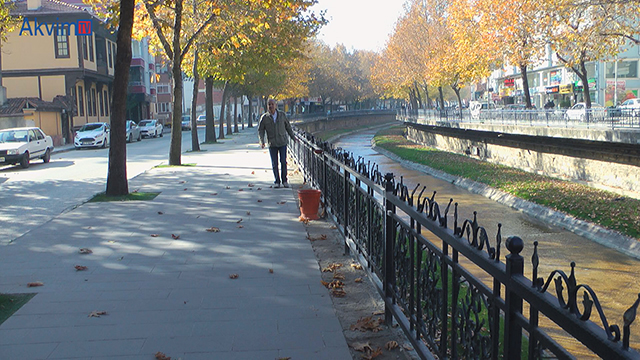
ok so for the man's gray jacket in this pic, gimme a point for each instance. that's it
(276, 131)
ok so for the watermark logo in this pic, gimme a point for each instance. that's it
(82, 27)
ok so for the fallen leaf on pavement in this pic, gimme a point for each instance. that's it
(282, 202)
(240, 226)
(253, 173)
(240, 189)
(233, 276)
(358, 280)
(97, 313)
(239, 221)
(303, 219)
(367, 324)
(270, 271)
(155, 235)
(333, 284)
(81, 267)
(356, 266)
(248, 212)
(182, 182)
(160, 213)
(251, 185)
(214, 194)
(363, 347)
(333, 227)
(162, 356)
(228, 187)
(284, 358)
(185, 189)
(338, 276)
(332, 267)
(407, 347)
(338, 293)
(111, 241)
(391, 345)
(379, 312)
(34, 284)
(175, 237)
(213, 229)
(85, 251)
(259, 189)
(373, 355)
(259, 200)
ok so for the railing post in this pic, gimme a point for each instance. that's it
(345, 205)
(513, 331)
(389, 266)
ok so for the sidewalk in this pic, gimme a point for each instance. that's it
(174, 292)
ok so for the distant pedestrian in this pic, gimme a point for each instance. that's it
(276, 125)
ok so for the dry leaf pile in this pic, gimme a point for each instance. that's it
(332, 267)
(356, 266)
(213, 229)
(335, 288)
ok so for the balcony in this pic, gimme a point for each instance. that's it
(137, 62)
(136, 87)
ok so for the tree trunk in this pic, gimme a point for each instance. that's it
(228, 116)
(195, 144)
(525, 86)
(242, 113)
(117, 183)
(456, 89)
(222, 109)
(210, 124)
(175, 148)
(441, 98)
(426, 93)
(250, 120)
(585, 84)
(418, 96)
(235, 114)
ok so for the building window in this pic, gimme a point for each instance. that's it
(107, 102)
(163, 89)
(101, 101)
(89, 107)
(62, 42)
(93, 102)
(85, 50)
(91, 48)
(626, 69)
(164, 107)
(110, 56)
(80, 101)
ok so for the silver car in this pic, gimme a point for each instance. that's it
(150, 128)
(133, 131)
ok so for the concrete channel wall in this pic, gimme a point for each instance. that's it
(347, 122)
(555, 152)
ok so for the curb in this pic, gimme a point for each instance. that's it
(609, 238)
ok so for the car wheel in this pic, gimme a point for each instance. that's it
(24, 162)
(130, 138)
(155, 134)
(47, 156)
(139, 137)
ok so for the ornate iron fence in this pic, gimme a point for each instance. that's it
(443, 308)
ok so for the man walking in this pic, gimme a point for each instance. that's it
(277, 127)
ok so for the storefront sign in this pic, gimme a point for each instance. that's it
(509, 82)
(553, 89)
(565, 89)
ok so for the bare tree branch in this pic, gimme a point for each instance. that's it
(193, 37)
(156, 25)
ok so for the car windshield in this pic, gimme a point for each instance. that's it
(90, 127)
(14, 136)
(146, 123)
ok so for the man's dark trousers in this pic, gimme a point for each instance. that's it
(281, 151)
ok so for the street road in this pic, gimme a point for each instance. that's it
(31, 197)
(613, 275)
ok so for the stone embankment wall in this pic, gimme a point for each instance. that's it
(558, 153)
(347, 122)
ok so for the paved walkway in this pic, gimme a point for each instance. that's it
(165, 281)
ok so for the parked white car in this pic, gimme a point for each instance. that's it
(150, 128)
(630, 107)
(579, 112)
(92, 135)
(133, 131)
(19, 145)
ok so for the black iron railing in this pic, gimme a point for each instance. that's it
(444, 308)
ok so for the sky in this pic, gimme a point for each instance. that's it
(359, 24)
